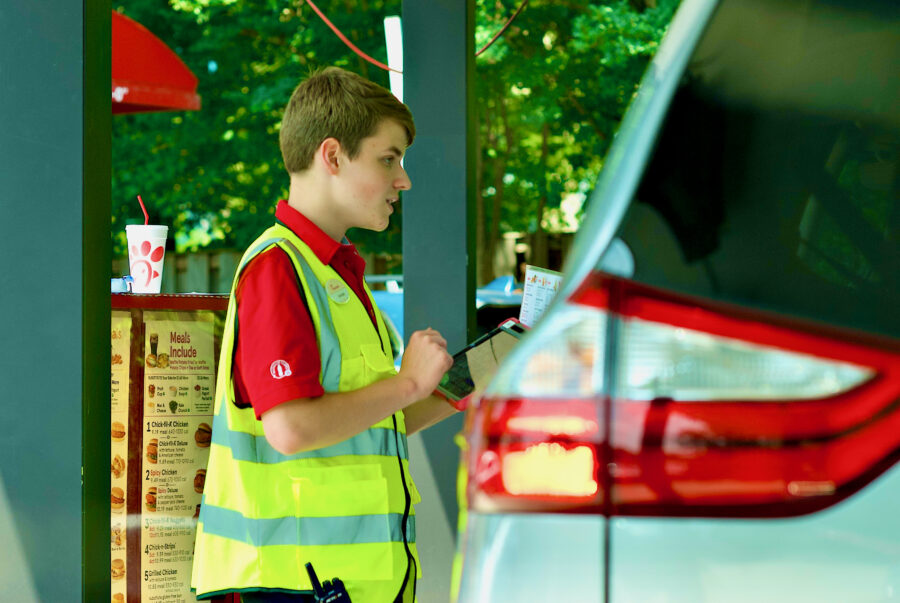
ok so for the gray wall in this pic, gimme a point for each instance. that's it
(54, 303)
(438, 243)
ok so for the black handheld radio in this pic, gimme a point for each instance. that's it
(331, 592)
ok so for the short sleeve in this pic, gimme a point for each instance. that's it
(276, 353)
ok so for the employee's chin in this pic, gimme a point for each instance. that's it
(375, 224)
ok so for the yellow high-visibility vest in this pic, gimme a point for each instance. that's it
(347, 508)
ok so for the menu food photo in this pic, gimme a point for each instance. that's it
(161, 404)
(179, 378)
(120, 344)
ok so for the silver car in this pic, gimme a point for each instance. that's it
(710, 411)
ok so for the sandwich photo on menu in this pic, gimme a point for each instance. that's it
(116, 499)
(152, 450)
(203, 435)
(150, 499)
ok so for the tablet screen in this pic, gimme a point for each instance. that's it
(475, 364)
(457, 382)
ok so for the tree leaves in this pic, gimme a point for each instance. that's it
(214, 175)
(550, 93)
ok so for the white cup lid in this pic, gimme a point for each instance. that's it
(147, 230)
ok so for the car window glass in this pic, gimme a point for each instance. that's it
(774, 181)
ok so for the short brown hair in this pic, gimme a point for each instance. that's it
(336, 103)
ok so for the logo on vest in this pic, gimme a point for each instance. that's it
(337, 291)
(280, 369)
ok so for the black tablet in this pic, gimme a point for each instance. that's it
(476, 363)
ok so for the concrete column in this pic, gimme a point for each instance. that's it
(439, 238)
(54, 306)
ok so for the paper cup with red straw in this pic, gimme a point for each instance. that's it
(146, 252)
(144, 209)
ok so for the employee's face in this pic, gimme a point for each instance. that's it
(372, 181)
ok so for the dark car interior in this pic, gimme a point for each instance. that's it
(772, 185)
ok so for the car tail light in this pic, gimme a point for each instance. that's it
(683, 408)
(537, 439)
(536, 455)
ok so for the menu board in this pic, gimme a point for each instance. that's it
(120, 341)
(541, 286)
(179, 385)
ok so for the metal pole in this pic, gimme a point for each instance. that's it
(54, 305)
(438, 212)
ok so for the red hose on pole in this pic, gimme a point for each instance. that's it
(346, 41)
(354, 48)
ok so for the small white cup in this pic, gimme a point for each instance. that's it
(146, 250)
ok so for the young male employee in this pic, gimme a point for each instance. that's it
(309, 460)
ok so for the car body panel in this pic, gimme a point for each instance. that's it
(525, 557)
(847, 553)
(503, 291)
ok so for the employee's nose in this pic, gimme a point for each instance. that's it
(403, 183)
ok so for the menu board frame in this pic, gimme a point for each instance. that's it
(137, 305)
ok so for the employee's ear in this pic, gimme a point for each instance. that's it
(330, 153)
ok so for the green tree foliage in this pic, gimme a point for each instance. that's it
(551, 92)
(214, 175)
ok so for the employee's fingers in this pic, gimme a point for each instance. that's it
(426, 338)
(431, 335)
(436, 338)
(426, 359)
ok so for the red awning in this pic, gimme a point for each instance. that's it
(146, 74)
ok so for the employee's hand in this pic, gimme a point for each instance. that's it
(425, 361)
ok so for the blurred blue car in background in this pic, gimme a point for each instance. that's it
(499, 299)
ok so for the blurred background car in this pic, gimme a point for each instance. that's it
(387, 291)
(710, 411)
(496, 301)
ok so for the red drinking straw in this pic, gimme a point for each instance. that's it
(144, 209)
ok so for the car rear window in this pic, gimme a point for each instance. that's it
(774, 180)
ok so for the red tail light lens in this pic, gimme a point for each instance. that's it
(713, 412)
(747, 418)
(535, 455)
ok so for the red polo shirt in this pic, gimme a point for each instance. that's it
(276, 355)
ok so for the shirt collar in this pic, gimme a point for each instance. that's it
(320, 243)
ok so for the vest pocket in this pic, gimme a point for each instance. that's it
(335, 514)
(340, 491)
(369, 366)
(378, 366)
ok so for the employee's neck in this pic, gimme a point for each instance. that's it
(311, 197)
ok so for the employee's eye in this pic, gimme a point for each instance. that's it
(388, 161)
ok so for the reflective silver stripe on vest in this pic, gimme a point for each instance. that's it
(259, 248)
(311, 531)
(329, 347)
(256, 449)
(374, 441)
